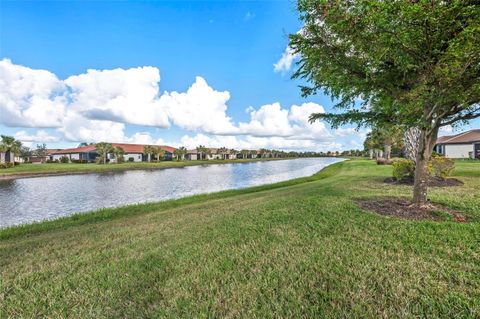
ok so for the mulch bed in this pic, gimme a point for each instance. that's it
(433, 182)
(403, 208)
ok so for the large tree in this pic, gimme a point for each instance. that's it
(10, 146)
(104, 149)
(413, 63)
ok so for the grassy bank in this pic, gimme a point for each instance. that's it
(300, 248)
(26, 170)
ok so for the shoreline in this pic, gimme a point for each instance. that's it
(112, 168)
(99, 214)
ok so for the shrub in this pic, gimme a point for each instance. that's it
(64, 159)
(120, 160)
(6, 165)
(403, 168)
(441, 167)
(16, 163)
(131, 159)
(383, 161)
(52, 161)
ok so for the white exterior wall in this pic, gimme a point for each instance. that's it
(75, 156)
(136, 157)
(57, 156)
(458, 150)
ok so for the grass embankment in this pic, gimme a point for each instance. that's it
(300, 248)
(27, 170)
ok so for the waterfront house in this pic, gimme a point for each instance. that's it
(463, 145)
(89, 152)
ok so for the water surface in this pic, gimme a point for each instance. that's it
(33, 199)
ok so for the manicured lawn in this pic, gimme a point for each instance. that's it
(300, 248)
(53, 168)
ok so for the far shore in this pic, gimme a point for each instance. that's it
(58, 169)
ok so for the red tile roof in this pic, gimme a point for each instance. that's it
(128, 148)
(462, 138)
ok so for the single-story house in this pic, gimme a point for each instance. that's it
(89, 152)
(7, 157)
(463, 145)
(212, 154)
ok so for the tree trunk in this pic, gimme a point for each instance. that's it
(387, 150)
(370, 153)
(149, 157)
(425, 148)
(104, 158)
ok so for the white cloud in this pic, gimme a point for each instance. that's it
(285, 63)
(124, 96)
(272, 120)
(97, 105)
(200, 108)
(40, 136)
(30, 98)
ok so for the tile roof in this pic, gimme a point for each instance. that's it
(128, 148)
(462, 138)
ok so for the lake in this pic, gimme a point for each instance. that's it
(34, 199)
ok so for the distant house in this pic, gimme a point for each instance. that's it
(89, 152)
(212, 154)
(463, 145)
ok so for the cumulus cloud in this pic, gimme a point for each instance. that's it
(272, 120)
(37, 98)
(99, 104)
(41, 136)
(285, 63)
(200, 108)
(30, 98)
(124, 96)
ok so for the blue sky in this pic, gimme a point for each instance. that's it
(232, 46)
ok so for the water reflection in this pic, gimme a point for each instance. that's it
(32, 199)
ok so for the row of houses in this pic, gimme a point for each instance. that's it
(89, 152)
(136, 153)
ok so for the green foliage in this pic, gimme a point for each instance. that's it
(180, 153)
(441, 167)
(104, 149)
(418, 76)
(64, 159)
(7, 165)
(403, 168)
(131, 159)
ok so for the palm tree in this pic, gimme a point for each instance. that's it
(104, 149)
(201, 150)
(10, 146)
(254, 153)
(149, 150)
(244, 153)
(223, 151)
(159, 152)
(180, 153)
(234, 152)
(118, 152)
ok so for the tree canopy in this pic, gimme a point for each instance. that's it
(410, 63)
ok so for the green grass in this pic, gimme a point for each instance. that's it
(300, 248)
(60, 168)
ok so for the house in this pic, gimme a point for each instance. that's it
(7, 157)
(211, 154)
(89, 152)
(463, 145)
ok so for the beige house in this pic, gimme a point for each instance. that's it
(463, 145)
